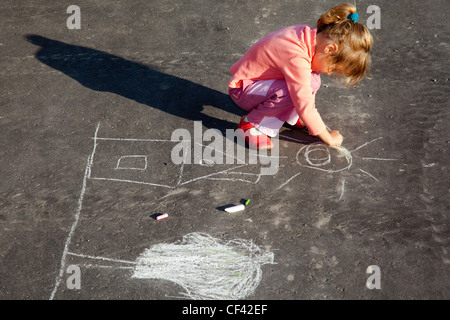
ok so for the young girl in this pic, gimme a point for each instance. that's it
(277, 78)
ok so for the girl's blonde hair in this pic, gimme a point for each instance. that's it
(354, 41)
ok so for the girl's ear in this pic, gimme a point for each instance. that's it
(331, 48)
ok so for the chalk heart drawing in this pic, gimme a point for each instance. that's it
(206, 267)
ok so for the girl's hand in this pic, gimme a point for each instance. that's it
(336, 138)
(332, 138)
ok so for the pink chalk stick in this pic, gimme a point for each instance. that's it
(162, 216)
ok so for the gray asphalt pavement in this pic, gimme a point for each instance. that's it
(87, 118)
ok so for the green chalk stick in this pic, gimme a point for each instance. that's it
(247, 202)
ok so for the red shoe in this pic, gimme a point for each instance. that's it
(255, 141)
(299, 124)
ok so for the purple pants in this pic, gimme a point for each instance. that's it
(269, 103)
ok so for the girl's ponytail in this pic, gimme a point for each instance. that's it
(353, 39)
(335, 15)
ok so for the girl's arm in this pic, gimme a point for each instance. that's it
(332, 138)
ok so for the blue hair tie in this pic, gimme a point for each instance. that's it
(353, 16)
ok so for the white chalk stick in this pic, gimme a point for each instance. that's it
(162, 216)
(235, 208)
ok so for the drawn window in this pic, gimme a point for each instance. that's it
(132, 162)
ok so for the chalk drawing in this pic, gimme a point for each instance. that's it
(305, 159)
(240, 171)
(342, 190)
(139, 159)
(317, 156)
(77, 217)
(204, 266)
(369, 175)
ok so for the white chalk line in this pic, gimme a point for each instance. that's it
(258, 175)
(87, 173)
(237, 179)
(326, 160)
(135, 140)
(100, 258)
(365, 144)
(91, 158)
(289, 180)
(96, 266)
(369, 175)
(212, 174)
(104, 259)
(342, 190)
(381, 159)
(132, 181)
(118, 167)
(180, 176)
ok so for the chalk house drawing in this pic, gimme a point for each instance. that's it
(205, 267)
(105, 168)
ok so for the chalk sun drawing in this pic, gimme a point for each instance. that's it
(204, 266)
(318, 157)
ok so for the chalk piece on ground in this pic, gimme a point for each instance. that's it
(235, 208)
(247, 202)
(162, 216)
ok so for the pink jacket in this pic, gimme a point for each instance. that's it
(285, 54)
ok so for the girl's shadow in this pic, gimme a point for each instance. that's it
(102, 71)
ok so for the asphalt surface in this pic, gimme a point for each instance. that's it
(87, 116)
